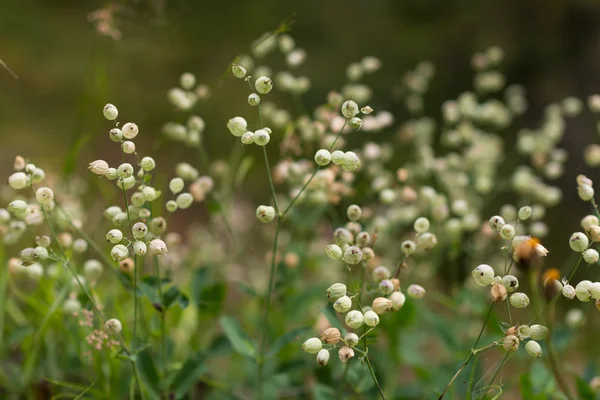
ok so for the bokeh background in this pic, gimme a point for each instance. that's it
(67, 71)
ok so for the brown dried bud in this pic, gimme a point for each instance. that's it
(512, 330)
(126, 265)
(498, 293)
(345, 354)
(19, 163)
(381, 305)
(331, 335)
(510, 343)
(396, 283)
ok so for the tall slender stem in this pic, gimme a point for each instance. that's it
(163, 311)
(135, 275)
(471, 354)
(273, 193)
(381, 394)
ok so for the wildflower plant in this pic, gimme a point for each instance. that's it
(388, 247)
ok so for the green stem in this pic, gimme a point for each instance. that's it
(276, 204)
(504, 359)
(3, 299)
(135, 274)
(381, 394)
(163, 310)
(471, 354)
(312, 176)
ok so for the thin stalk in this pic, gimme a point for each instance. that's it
(264, 332)
(312, 176)
(381, 394)
(3, 285)
(163, 310)
(504, 360)
(135, 276)
(275, 203)
(471, 354)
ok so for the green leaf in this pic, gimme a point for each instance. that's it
(240, 342)
(526, 386)
(71, 160)
(213, 206)
(174, 294)
(207, 293)
(286, 339)
(359, 377)
(583, 389)
(148, 373)
(322, 392)
(189, 373)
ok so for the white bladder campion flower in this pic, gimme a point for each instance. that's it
(157, 248)
(98, 167)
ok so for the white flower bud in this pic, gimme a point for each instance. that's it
(398, 299)
(381, 305)
(18, 180)
(130, 130)
(496, 223)
(336, 291)
(128, 147)
(111, 174)
(119, 252)
(92, 269)
(38, 175)
(510, 343)
(380, 273)
(171, 206)
(323, 357)
(354, 212)
(355, 123)
(352, 255)
(590, 256)
(519, 300)
(342, 304)
(147, 164)
(371, 318)
(426, 241)
(184, 200)
(44, 195)
(579, 241)
(343, 236)
(351, 339)
(333, 251)
(110, 112)
(263, 85)
(116, 135)
(583, 290)
(588, 221)
(140, 230)
(421, 225)
(254, 100)
(98, 167)
(237, 126)
(113, 326)
(507, 231)
(323, 157)
(125, 170)
(538, 332)
(568, 291)
(187, 80)
(265, 214)
(238, 71)
(585, 192)
(408, 247)
(176, 185)
(139, 248)
(337, 157)
(354, 319)
(150, 194)
(158, 226)
(312, 345)
(41, 253)
(416, 291)
(158, 248)
(510, 282)
(349, 109)
(533, 349)
(71, 306)
(483, 275)
(43, 241)
(386, 287)
(247, 138)
(17, 207)
(261, 137)
(111, 211)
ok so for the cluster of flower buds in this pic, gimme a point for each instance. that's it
(517, 334)
(352, 246)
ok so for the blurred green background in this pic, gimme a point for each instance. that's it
(67, 71)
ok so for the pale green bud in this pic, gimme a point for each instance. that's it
(421, 225)
(147, 164)
(184, 200)
(579, 241)
(261, 137)
(139, 248)
(538, 332)
(533, 349)
(352, 255)
(238, 71)
(510, 282)
(519, 300)
(398, 299)
(110, 112)
(349, 109)
(237, 126)
(312, 345)
(336, 291)
(507, 231)
(265, 214)
(371, 318)
(263, 85)
(323, 157)
(342, 304)
(247, 138)
(524, 213)
(119, 252)
(351, 339)
(130, 130)
(333, 251)
(416, 291)
(113, 326)
(354, 319)
(590, 256)
(483, 275)
(323, 357)
(583, 290)
(114, 236)
(253, 99)
(176, 185)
